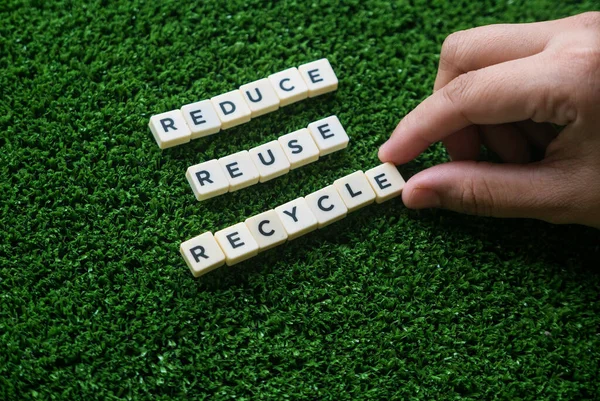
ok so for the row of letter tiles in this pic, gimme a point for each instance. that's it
(267, 161)
(291, 220)
(251, 100)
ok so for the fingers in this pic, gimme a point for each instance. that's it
(481, 47)
(507, 142)
(499, 190)
(507, 92)
(539, 134)
(464, 144)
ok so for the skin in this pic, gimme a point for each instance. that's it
(501, 86)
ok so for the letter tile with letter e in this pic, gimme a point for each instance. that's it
(231, 109)
(201, 118)
(329, 135)
(386, 181)
(237, 243)
(239, 170)
(319, 77)
(202, 254)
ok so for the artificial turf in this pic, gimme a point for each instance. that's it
(96, 301)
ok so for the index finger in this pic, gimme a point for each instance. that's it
(501, 93)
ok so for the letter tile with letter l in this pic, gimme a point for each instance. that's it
(319, 77)
(231, 109)
(202, 254)
(237, 243)
(297, 218)
(239, 170)
(270, 160)
(329, 135)
(260, 97)
(207, 180)
(267, 230)
(327, 205)
(169, 129)
(289, 86)
(355, 190)
(201, 118)
(386, 181)
(299, 147)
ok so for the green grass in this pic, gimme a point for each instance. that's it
(97, 303)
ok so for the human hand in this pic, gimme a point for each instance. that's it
(501, 86)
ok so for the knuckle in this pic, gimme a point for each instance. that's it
(477, 198)
(459, 88)
(590, 19)
(450, 50)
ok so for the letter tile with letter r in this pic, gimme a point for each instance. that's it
(231, 109)
(202, 254)
(237, 243)
(327, 205)
(169, 129)
(270, 160)
(260, 97)
(207, 180)
(267, 230)
(386, 181)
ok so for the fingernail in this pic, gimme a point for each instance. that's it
(424, 198)
(382, 153)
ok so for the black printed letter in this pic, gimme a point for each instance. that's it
(204, 176)
(198, 252)
(381, 181)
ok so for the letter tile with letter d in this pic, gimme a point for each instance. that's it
(231, 109)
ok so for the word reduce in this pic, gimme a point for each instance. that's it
(244, 240)
(233, 108)
(267, 161)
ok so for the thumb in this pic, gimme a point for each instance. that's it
(485, 189)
